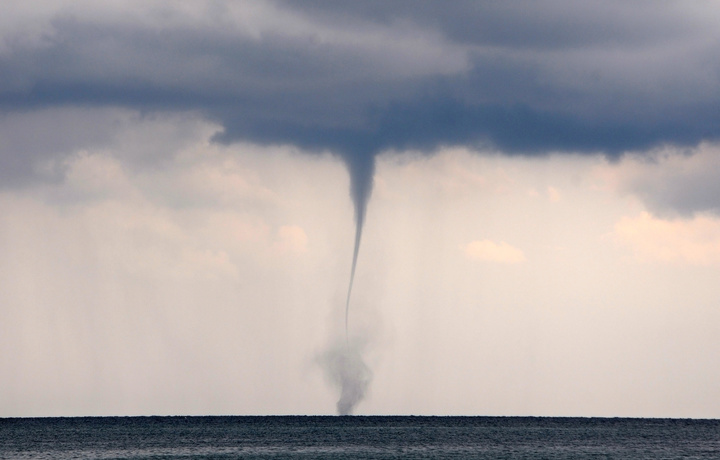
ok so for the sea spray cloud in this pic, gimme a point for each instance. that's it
(345, 369)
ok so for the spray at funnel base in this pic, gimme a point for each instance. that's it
(345, 368)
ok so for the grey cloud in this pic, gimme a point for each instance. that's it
(30, 142)
(35, 144)
(673, 184)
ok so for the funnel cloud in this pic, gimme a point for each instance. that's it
(361, 171)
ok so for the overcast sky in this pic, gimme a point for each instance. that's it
(180, 183)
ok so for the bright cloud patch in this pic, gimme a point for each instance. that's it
(490, 251)
(291, 239)
(554, 194)
(695, 241)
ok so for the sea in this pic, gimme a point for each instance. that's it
(357, 437)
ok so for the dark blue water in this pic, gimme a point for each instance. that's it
(357, 437)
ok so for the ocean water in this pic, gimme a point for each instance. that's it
(357, 437)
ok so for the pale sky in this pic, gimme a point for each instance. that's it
(542, 234)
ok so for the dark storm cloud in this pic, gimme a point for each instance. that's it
(357, 78)
(538, 76)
